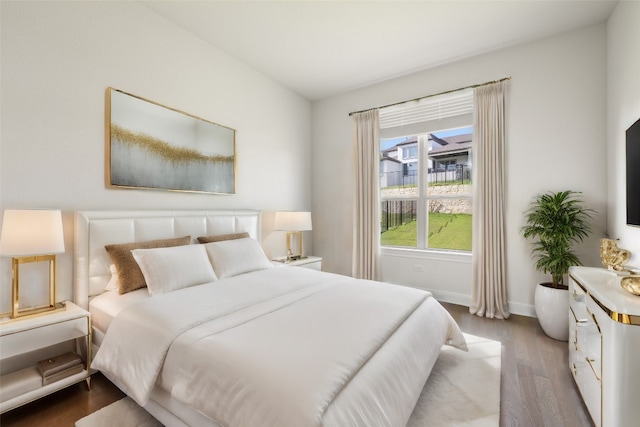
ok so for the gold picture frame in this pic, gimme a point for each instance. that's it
(151, 146)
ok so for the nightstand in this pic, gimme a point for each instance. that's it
(23, 342)
(312, 262)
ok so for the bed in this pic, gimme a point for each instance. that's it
(254, 343)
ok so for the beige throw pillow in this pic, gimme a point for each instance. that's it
(222, 237)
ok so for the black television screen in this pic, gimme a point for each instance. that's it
(633, 174)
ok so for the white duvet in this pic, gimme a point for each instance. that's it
(280, 347)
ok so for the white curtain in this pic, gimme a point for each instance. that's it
(489, 288)
(366, 221)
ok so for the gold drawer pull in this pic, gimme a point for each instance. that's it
(596, 322)
(590, 362)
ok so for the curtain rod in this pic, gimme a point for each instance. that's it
(435, 94)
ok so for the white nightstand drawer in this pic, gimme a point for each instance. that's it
(43, 336)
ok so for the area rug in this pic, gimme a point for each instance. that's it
(463, 390)
(123, 413)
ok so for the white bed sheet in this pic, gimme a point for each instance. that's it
(106, 306)
(380, 387)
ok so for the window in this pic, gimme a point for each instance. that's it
(410, 152)
(433, 210)
(445, 165)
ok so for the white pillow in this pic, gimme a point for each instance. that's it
(172, 268)
(232, 257)
(114, 282)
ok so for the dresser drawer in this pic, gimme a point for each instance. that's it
(585, 342)
(585, 349)
(589, 385)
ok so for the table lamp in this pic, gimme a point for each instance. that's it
(294, 223)
(32, 236)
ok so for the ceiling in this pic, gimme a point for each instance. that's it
(323, 48)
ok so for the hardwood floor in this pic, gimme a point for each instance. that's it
(65, 407)
(536, 388)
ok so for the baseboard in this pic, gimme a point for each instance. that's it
(465, 300)
(523, 309)
(451, 297)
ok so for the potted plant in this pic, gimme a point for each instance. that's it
(555, 221)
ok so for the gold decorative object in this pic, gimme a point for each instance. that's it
(613, 257)
(631, 284)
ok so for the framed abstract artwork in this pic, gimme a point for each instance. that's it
(151, 146)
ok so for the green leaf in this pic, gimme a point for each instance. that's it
(556, 221)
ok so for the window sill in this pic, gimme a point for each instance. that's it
(427, 254)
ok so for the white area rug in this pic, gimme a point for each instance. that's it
(463, 390)
(123, 413)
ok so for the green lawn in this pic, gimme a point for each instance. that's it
(446, 231)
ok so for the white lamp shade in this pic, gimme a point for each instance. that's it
(31, 232)
(293, 221)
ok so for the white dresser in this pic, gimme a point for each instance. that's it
(604, 346)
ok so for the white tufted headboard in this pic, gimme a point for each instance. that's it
(94, 229)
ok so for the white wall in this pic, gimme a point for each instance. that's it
(555, 141)
(623, 109)
(57, 60)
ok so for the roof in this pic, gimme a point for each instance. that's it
(462, 147)
(449, 144)
(455, 139)
(410, 140)
(391, 159)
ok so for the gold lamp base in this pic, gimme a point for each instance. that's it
(290, 254)
(21, 313)
(27, 313)
(294, 258)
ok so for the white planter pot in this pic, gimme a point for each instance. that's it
(552, 310)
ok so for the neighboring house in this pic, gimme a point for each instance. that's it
(390, 171)
(446, 153)
(449, 158)
(399, 164)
